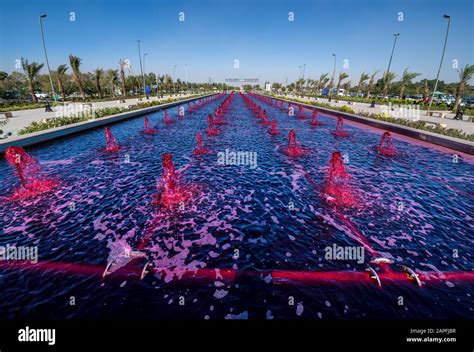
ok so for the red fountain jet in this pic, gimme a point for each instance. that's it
(28, 170)
(339, 131)
(293, 149)
(338, 190)
(273, 128)
(211, 130)
(167, 118)
(386, 146)
(314, 119)
(148, 129)
(111, 142)
(199, 150)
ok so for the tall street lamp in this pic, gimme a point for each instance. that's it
(440, 63)
(144, 74)
(141, 67)
(304, 69)
(333, 77)
(391, 56)
(46, 55)
(174, 77)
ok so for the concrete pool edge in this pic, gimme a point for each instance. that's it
(425, 136)
(64, 131)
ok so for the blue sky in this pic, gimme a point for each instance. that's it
(255, 32)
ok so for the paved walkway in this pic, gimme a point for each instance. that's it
(22, 118)
(448, 121)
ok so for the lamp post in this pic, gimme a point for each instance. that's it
(144, 74)
(46, 55)
(174, 77)
(141, 67)
(333, 77)
(440, 63)
(300, 72)
(391, 56)
(304, 69)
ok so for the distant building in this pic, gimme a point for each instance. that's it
(268, 87)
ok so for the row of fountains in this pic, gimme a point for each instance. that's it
(170, 192)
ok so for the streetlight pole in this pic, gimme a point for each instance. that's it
(46, 55)
(304, 69)
(144, 74)
(391, 56)
(141, 67)
(440, 63)
(174, 77)
(300, 72)
(333, 77)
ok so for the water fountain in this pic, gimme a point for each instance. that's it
(386, 146)
(293, 149)
(148, 129)
(273, 128)
(200, 149)
(169, 190)
(340, 131)
(111, 142)
(211, 130)
(28, 171)
(338, 190)
(168, 119)
(314, 119)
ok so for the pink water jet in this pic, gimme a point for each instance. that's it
(28, 171)
(338, 190)
(211, 130)
(200, 149)
(301, 114)
(340, 131)
(265, 121)
(111, 143)
(386, 146)
(273, 128)
(168, 119)
(148, 129)
(293, 149)
(170, 192)
(314, 119)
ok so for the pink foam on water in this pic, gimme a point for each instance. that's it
(28, 171)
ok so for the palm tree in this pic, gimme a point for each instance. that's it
(388, 78)
(347, 86)
(61, 74)
(342, 76)
(75, 64)
(426, 89)
(465, 74)
(122, 76)
(371, 83)
(406, 80)
(31, 72)
(363, 77)
(98, 74)
(323, 80)
(114, 80)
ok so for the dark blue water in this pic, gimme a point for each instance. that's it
(415, 208)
